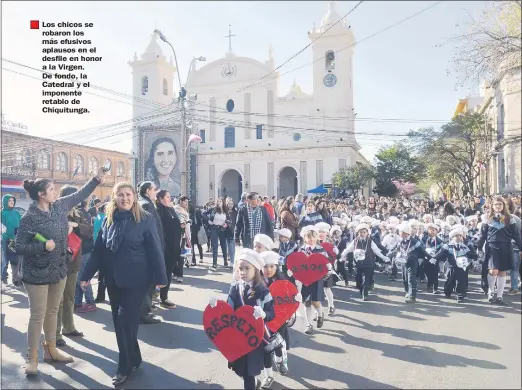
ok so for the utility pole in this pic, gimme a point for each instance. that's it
(185, 156)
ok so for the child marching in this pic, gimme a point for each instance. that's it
(251, 291)
(364, 251)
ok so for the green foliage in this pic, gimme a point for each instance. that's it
(454, 152)
(396, 162)
(353, 178)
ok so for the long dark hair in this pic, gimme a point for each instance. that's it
(151, 172)
(224, 208)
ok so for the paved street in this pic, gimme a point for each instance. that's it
(382, 343)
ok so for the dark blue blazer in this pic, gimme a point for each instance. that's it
(138, 261)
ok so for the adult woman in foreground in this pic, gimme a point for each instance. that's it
(128, 254)
(42, 241)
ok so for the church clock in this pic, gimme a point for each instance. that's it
(329, 80)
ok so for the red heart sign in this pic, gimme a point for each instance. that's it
(234, 333)
(283, 292)
(307, 269)
(328, 247)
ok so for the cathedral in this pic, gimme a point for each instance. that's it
(253, 136)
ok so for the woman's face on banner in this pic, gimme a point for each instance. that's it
(165, 158)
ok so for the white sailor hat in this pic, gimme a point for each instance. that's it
(308, 229)
(405, 228)
(362, 226)
(284, 232)
(270, 257)
(433, 226)
(457, 230)
(252, 257)
(322, 227)
(334, 229)
(264, 240)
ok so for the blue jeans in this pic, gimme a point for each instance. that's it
(231, 246)
(78, 296)
(3, 270)
(514, 272)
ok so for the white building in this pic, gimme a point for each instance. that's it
(500, 101)
(253, 138)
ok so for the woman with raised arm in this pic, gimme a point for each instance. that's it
(42, 241)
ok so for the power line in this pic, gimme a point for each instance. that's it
(304, 48)
(347, 47)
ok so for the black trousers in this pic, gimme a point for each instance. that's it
(179, 261)
(455, 281)
(146, 302)
(169, 265)
(200, 249)
(342, 269)
(100, 295)
(125, 306)
(364, 279)
(421, 270)
(432, 273)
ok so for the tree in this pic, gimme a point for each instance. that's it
(456, 150)
(396, 163)
(491, 44)
(352, 178)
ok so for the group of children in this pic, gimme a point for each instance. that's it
(418, 250)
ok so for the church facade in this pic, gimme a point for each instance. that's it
(253, 138)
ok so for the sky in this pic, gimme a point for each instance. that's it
(400, 73)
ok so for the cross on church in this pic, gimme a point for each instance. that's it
(229, 36)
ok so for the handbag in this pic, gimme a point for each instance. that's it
(202, 236)
(74, 243)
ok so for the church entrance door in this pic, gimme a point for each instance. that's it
(231, 185)
(287, 182)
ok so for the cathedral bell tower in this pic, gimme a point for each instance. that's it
(152, 82)
(333, 70)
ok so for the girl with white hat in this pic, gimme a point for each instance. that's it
(364, 251)
(314, 293)
(458, 256)
(340, 241)
(263, 243)
(271, 274)
(324, 229)
(251, 291)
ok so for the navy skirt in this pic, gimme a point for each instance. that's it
(313, 292)
(500, 256)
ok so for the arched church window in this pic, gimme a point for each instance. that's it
(144, 85)
(329, 60)
(165, 87)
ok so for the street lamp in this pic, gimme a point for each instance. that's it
(185, 178)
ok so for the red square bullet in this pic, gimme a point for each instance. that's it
(35, 24)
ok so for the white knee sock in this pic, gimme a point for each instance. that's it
(269, 372)
(491, 283)
(309, 318)
(319, 310)
(329, 296)
(501, 283)
(285, 355)
(301, 311)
